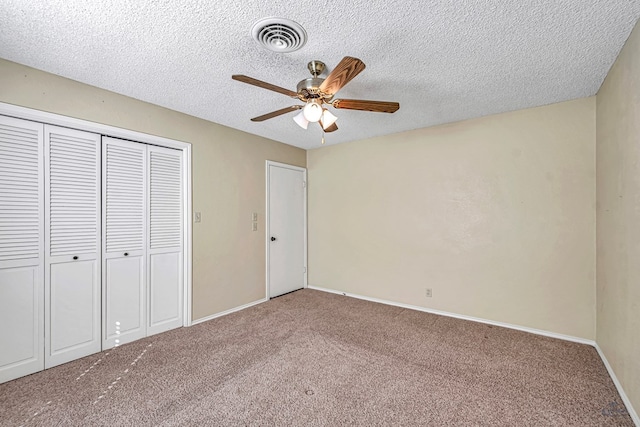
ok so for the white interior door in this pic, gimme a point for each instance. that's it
(21, 248)
(72, 245)
(124, 236)
(164, 250)
(286, 228)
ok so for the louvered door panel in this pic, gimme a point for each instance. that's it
(72, 275)
(165, 239)
(124, 261)
(20, 191)
(125, 197)
(73, 192)
(165, 205)
(21, 248)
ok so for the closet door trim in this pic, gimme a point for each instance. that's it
(112, 131)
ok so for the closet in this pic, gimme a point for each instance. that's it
(91, 243)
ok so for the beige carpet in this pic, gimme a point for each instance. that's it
(311, 358)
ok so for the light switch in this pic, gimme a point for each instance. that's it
(197, 217)
(254, 217)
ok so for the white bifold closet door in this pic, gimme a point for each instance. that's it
(124, 176)
(164, 246)
(21, 248)
(143, 247)
(72, 245)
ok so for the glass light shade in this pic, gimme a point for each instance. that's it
(312, 111)
(327, 119)
(300, 120)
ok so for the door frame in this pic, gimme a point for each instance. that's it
(116, 132)
(270, 163)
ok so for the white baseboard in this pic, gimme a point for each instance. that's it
(462, 316)
(231, 310)
(623, 395)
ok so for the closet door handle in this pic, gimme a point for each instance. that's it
(126, 254)
(75, 257)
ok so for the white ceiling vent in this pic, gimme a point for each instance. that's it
(279, 34)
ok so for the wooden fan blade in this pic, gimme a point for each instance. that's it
(276, 113)
(332, 128)
(264, 85)
(344, 72)
(362, 105)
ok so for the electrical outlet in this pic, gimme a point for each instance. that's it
(255, 226)
(254, 216)
(428, 292)
(197, 217)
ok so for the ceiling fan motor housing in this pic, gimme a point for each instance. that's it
(310, 88)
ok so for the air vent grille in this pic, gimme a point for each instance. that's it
(279, 34)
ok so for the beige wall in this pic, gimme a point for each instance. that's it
(618, 218)
(228, 177)
(496, 215)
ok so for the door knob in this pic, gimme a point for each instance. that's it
(273, 239)
(126, 254)
(75, 257)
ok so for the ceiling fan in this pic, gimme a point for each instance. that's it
(317, 92)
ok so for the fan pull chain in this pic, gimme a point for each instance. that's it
(323, 137)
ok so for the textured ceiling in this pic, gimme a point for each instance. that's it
(442, 60)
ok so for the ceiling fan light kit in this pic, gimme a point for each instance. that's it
(315, 92)
(327, 119)
(312, 111)
(301, 120)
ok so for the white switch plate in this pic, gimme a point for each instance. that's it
(254, 217)
(255, 226)
(197, 217)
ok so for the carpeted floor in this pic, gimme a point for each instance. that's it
(311, 358)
